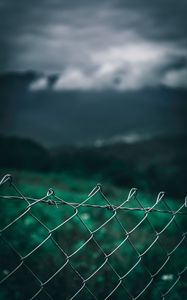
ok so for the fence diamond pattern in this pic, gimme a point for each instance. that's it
(94, 249)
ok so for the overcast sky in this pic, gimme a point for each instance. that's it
(101, 69)
(95, 45)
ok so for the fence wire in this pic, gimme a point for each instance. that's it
(94, 249)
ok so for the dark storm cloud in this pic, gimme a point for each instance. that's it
(123, 45)
(167, 18)
(70, 117)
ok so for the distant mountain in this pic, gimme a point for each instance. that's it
(158, 150)
(73, 117)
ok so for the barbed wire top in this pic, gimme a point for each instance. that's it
(57, 201)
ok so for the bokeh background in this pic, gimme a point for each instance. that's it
(92, 91)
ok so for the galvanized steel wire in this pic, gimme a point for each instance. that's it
(51, 199)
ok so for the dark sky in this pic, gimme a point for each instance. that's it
(90, 49)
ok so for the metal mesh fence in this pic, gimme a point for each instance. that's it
(91, 248)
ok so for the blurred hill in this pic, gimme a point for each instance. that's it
(19, 153)
(152, 165)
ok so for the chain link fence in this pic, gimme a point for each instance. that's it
(92, 248)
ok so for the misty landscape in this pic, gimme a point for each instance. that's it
(93, 95)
